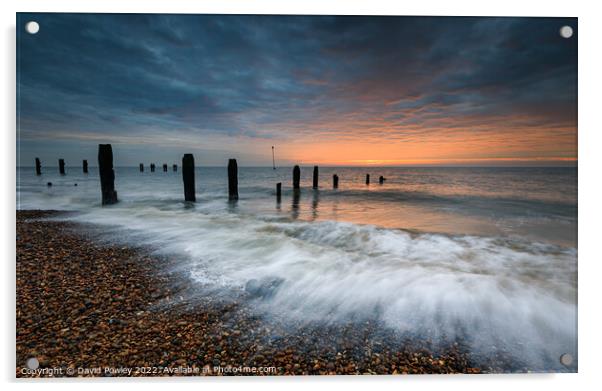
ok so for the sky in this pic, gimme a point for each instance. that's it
(328, 90)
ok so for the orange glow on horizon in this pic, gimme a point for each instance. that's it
(413, 162)
(461, 148)
(364, 139)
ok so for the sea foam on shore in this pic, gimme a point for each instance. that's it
(499, 294)
(484, 255)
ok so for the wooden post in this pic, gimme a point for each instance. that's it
(188, 177)
(107, 175)
(141, 167)
(175, 168)
(381, 180)
(38, 167)
(232, 179)
(85, 166)
(62, 166)
(278, 191)
(315, 182)
(296, 177)
(164, 167)
(152, 167)
(367, 179)
(335, 181)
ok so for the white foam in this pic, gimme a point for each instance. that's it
(516, 295)
(510, 293)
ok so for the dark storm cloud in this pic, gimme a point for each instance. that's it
(118, 77)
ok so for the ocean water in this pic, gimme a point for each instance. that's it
(485, 254)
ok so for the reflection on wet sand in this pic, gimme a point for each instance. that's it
(295, 204)
(314, 204)
(233, 205)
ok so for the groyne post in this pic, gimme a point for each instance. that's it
(315, 178)
(85, 166)
(296, 177)
(62, 166)
(175, 168)
(367, 179)
(381, 179)
(278, 191)
(107, 174)
(232, 179)
(152, 167)
(164, 167)
(335, 181)
(188, 177)
(38, 167)
(141, 167)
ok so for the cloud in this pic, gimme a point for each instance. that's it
(297, 79)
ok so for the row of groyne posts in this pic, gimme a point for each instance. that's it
(107, 176)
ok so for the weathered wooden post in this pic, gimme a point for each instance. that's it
(62, 166)
(367, 179)
(315, 182)
(175, 168)
(38, 167)
(232, 179)
(296, 177)
(152, 167)
(141, 167)
(381, 180)
(107, 175)
(188, 177)
(335, 181)
(85, 166)
(164, 167)
(278, 191)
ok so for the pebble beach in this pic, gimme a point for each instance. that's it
(91, 308)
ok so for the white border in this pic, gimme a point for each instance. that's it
(590, 165)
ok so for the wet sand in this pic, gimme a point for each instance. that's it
(86, 307)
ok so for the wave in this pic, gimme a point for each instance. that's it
(500, 293)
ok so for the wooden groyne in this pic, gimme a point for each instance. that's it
(296, 177)
(107, 174)
(232, 179)
(109, 194)
(188, 177)
(62, 166)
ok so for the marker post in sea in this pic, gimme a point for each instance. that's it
(273, 159)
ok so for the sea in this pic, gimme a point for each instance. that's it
(485, 253)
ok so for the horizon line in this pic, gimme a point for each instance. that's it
(160, 168)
